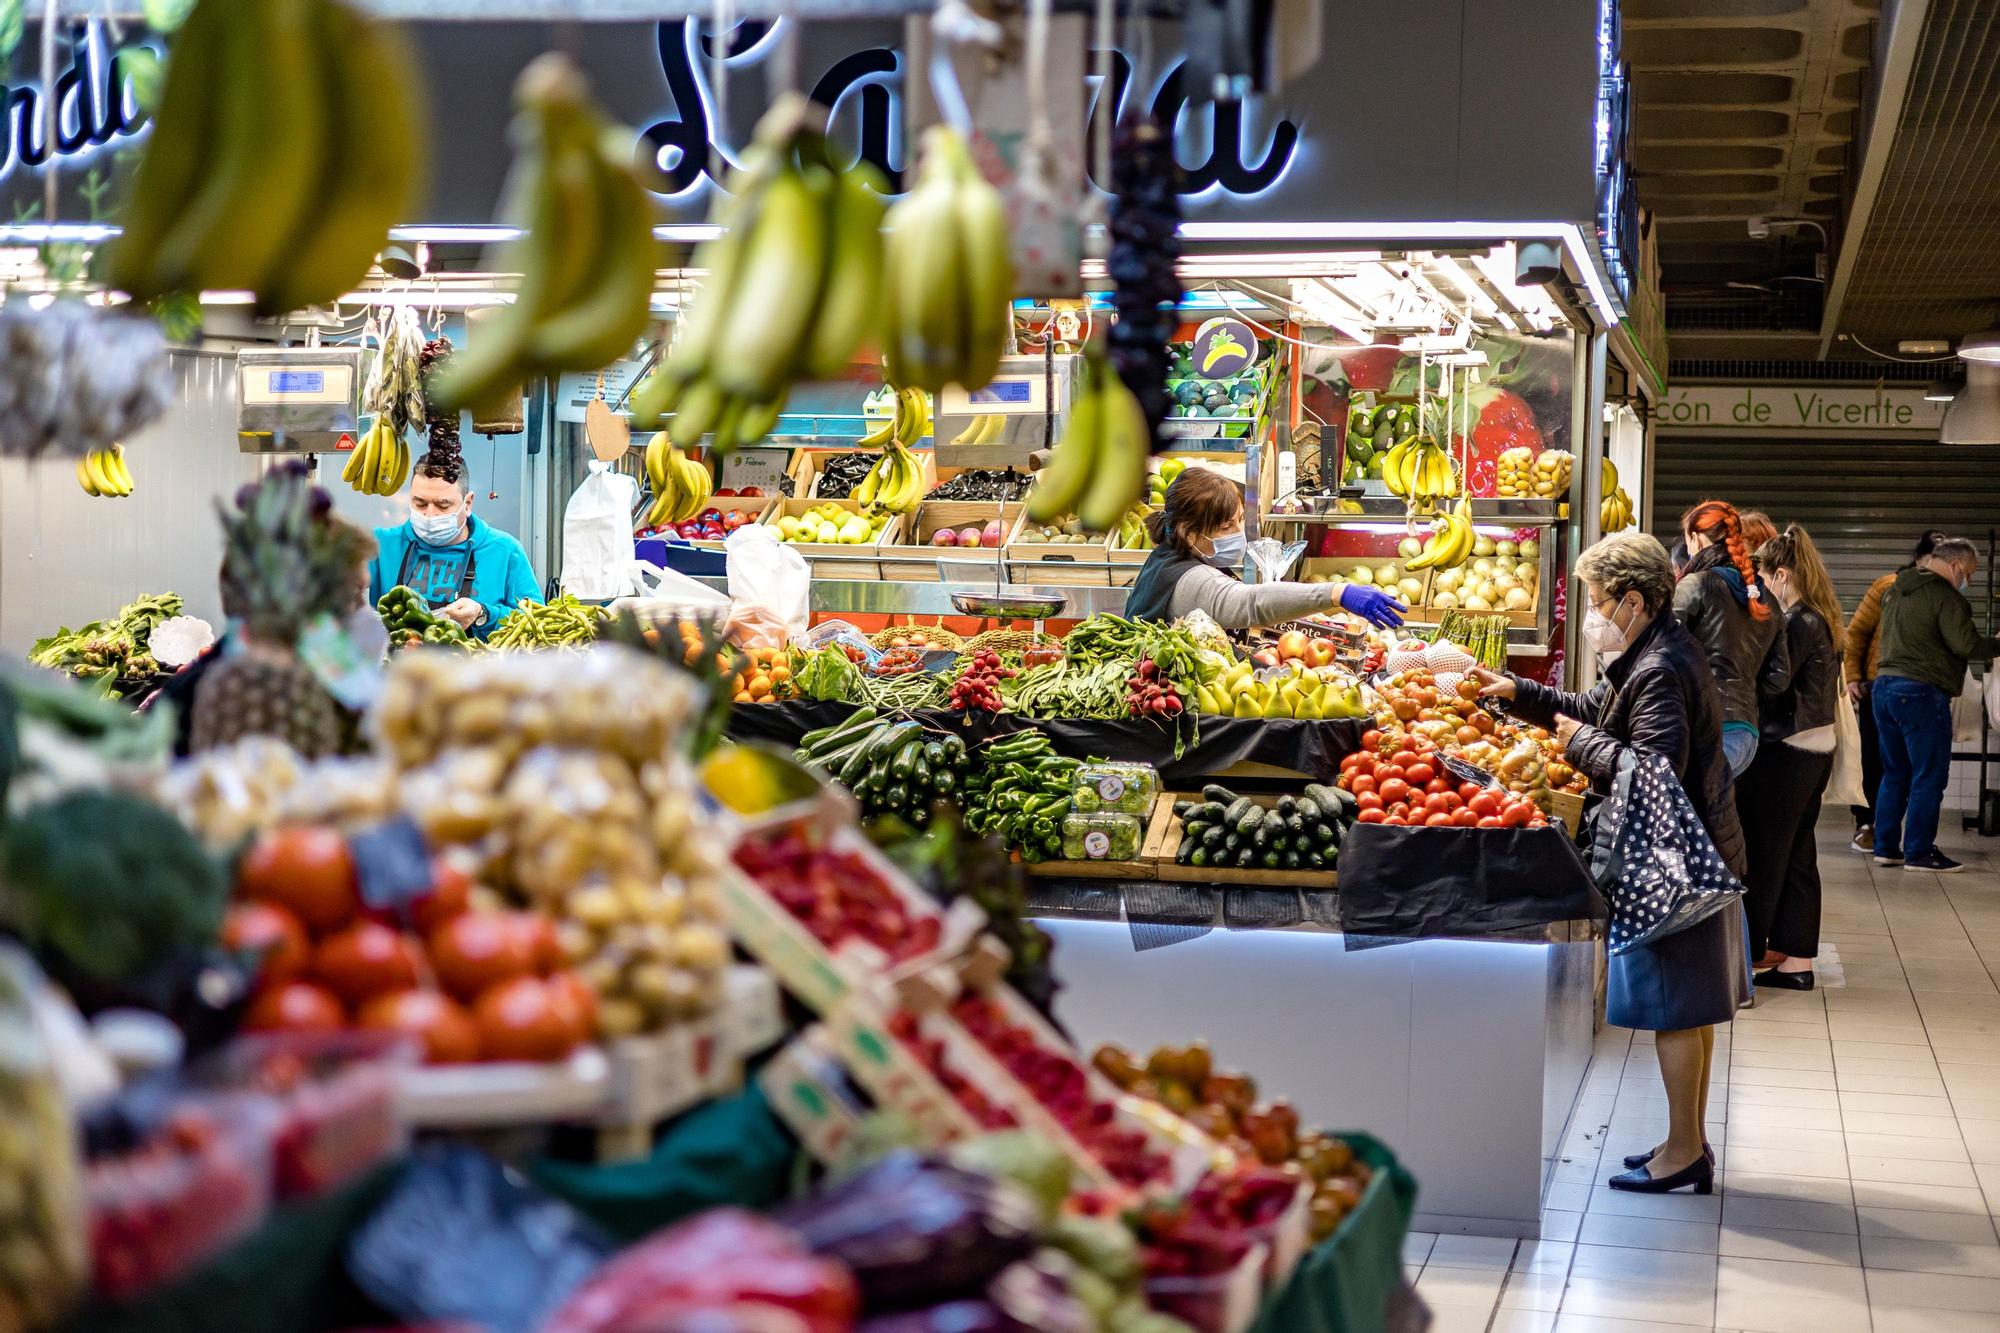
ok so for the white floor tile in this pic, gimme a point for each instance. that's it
(1743, 1210)
(1494, 1252)
(1816, 1247)
(1907, 1170)
(1926, 1198)
(1913, 1319)
(1931, 1256)
(1680, 1206)
(1927, 1291)
(1460, 1286)
(1648, 1233)
(1783, 1296)
(1914, 1224)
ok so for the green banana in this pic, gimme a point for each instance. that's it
(177, 153)
(1119, 477)
(1060, 485)
(784, 266)
(616, 304)
(850, 307)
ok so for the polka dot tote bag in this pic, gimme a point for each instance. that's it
(1653, 858)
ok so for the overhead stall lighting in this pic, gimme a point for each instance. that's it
(1974, 415)
(1980, 347)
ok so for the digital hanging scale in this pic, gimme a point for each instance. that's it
(297, 400)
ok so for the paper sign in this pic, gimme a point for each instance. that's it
(392, 864)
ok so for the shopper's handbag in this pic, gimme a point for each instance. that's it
(1846, 787)
(1652, 856)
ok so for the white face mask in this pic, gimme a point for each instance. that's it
(1602, 633)
(436, 529)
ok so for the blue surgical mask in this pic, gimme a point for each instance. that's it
(1228, 551)
(436, 529)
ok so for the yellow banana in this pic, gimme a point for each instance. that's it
(615, 304)
(1061, 484)
(374, 166)
(83, 477)
(121, 473)
(386, 479)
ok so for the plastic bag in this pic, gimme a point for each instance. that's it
(668, 594)
(1993, 696)
(770, 588)
(1846, 786)
(597, 535)
(1965, 712)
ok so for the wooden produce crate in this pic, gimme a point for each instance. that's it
(833, 560)
(1145, 868)
(806, 468)
(1053, 563)
(1163, 843)
(1568, 807)
(946, 471)
(919, 562)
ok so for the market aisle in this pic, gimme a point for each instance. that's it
(1858, 1132)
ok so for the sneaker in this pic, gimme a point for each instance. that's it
(1934, 861)
(1864, 840)
(1888, 859)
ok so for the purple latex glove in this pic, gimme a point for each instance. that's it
(1372, 605)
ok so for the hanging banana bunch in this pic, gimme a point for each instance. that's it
(982, 429)
(1614, 511)
(585, 249)
(794, 287)
(681, 486)
(103, 472)
(380, 464)
(950, 272)
(288, 142)
(1450, 541)
(908, 423)
(1098, 471)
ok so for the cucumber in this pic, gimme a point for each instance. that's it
(1286, 805)
(1260, 837)
(1220, 795)
(1296, 825)
(1214, 838)
(1233, 843)
(1245, 858)
(1250, 820)
(1199, 857)
(1327, 798)
(1184, 809)
(1290, 860)
(1269, 860)
(1186, 853)
(1315, 861)
(1308, 810)
(1215, 812)
(1233, 814)
(920, 772)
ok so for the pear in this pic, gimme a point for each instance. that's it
(1310, 706)
(1275, 706)
(1290, 696)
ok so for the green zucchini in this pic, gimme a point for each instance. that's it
(1250, 819)
(905, 761)
(1308, 810)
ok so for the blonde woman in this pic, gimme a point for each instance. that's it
(1778, 799)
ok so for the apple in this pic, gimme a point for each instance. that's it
(734, 519)
(710, 516)
(751, 493)
(711, 532)
(1319, 652)
(1292, 643)
(990, 535)
(726, 490)
(944, 537)
(968, 536)
(689, 529)
(1264, 657)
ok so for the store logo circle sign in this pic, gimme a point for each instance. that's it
(94, 105)
(684, 153)
(1224, 348)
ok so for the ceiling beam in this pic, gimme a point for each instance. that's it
(1899, 56)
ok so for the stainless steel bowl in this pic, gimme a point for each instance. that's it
(1010, 603)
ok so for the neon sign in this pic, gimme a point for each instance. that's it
(684, 152)
(94, 106)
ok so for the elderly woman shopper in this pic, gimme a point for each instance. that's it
(1657, 696)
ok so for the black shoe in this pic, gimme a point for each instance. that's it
(1933, 860)
(1864, 840)
(1776, 980)
(1888, 859)
(1699, 1173)
(1639, 1159)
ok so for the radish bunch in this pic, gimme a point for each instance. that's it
(1151, 693)
(978, 686)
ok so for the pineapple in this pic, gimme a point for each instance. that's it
(286, 561)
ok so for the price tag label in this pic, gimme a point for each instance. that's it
(392, 864)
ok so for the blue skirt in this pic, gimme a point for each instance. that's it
(1690, 979)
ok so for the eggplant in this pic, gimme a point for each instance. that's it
(915, 1231)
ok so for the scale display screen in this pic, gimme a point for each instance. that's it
(298, 381)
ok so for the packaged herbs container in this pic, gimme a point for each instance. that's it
(1128, 789)
(1102, 835)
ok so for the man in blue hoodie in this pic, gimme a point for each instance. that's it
(466, 570)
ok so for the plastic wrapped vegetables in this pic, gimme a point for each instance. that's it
(1020, 793)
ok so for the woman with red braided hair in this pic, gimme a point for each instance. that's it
(1733, 615)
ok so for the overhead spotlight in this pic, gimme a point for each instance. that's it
(403, 262)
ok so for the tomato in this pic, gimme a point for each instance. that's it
(1490, 821)
(544, 946)
(1371, 738)
(1483, 804)
(1466, 734)
(306, 870)
(295, 1006)
(448, 1033)
(1516, 815)
(1438, 820)
(365, 960)
(1403, 758)
(1350, 762)
(450, 896)
(1397, 820)
(1434, 804)
(522, 1020)
(1363, 782)
(273, 934)
(1395, 789)
(1387, 771)
(568, 988)
(1418, 774)
(479, 950)
(1468, 790)
(1368, 816)
(1464, 819)
(1437, 787)
(1452, 800)
(1369, 801)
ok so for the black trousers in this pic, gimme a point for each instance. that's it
(1778, 801)
(1871, 759)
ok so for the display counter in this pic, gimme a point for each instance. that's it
(1468, 1054)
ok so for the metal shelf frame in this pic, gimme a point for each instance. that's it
(547, 11)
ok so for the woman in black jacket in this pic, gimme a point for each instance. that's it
(1658, 696)
(1780, 795)
(1728, 609)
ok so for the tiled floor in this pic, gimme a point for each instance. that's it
(1857, 1129)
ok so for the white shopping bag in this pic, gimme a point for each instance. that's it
(1965, 711)
(1993, 696)
(1846, 787)
(770, 588)
(598, 551)
(668, 594)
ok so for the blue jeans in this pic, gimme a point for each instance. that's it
(1739, 747)
(1913, 722)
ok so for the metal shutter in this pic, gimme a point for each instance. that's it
(1864, 503)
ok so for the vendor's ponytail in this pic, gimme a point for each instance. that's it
(1718, 521)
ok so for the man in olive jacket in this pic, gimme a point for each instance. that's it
(1927, 640)
(1860, 655)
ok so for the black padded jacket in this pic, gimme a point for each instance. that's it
(1658, 696)
(1747, 656)
(1807, 703)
